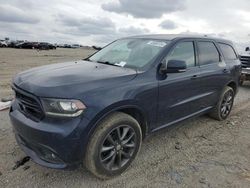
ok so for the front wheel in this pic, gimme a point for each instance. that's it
(113, 146)
(224, 106)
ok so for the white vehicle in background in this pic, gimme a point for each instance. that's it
(3, 44)
(245, 62)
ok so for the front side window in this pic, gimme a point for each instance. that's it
(207, 53)
(183, 51)
(228, 51)
(133, 53)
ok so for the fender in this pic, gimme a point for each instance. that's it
(108, 110)
(233, 84)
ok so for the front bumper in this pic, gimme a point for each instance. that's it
(49, 142)
(245, 74)
(245, 70)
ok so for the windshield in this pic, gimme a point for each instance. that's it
(133, 53)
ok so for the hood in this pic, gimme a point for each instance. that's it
(76, 77)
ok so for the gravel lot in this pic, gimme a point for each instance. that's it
(198, 153)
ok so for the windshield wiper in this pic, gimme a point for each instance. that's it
(107, 63)
(86, 59)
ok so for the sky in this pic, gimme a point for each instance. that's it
(98, 22)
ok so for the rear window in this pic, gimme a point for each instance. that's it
(228, 51)
(208, 53)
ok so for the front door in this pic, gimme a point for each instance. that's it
(179, 93)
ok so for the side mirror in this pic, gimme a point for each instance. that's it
(173, 66)
(247, 49)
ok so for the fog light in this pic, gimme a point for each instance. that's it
(49, 156)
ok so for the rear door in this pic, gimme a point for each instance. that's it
(214, 72)
(231, 59)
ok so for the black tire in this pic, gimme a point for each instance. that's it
(223, 108)
(108, 152)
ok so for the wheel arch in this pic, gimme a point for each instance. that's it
(233, 85)
(128, 107)
(137, 114)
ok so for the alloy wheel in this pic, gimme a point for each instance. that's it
(227, 104)
(118, 147)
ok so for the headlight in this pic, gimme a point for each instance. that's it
(63, 107)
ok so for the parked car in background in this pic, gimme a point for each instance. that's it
(96, 48)
(75, 46)
(13, 44)
(35, 45)
(245, 61)
(59, 45)
(97, 111)
(27, 45)
(3, 44)
(67, 46)
(45, 46)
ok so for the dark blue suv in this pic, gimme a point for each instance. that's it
(96, 111)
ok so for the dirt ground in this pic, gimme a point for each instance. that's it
(13, 61)
(201, 152)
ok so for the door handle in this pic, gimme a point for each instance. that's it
(194, 77)
(225, 71)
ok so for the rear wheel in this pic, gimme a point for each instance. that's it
(224, 105)
(113, 145)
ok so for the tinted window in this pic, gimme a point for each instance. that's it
(208, 53)
(183, 51)
(228, 51)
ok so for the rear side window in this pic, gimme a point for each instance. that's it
(228, 51)
(183, 51)
(208, 53)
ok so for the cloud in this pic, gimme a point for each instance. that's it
(120, 33)
(145, 8)
(87, 26)
(168, 24)
(97, 22)
(15, 15)
(103, 29)
(133, 31)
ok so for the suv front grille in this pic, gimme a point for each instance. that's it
(29, 105)
(245, 61)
